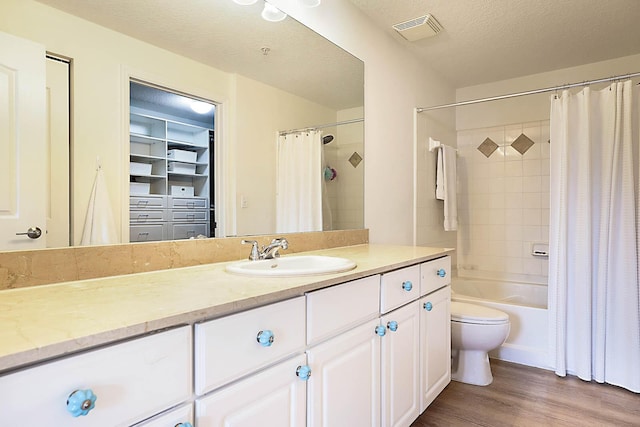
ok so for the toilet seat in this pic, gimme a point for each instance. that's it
(477, 314)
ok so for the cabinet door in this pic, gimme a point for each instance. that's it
(174, 417)
(401, 366)
(435, 344)
(274, 397)
(344, 388)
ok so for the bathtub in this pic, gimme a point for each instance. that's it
(526, 305)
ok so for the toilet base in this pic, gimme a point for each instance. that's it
(471, 367)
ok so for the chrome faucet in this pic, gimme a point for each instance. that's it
(266, 252)
(271, 250)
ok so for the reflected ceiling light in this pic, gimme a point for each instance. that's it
(245, 2)
(310, 3)
(201, 107)
(272, 14)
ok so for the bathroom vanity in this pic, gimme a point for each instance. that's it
(201, 346)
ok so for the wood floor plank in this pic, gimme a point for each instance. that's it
(523, 396)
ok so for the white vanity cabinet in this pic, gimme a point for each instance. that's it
(234, 346)
(344, 354)
(274, 397)
(401, 366)
(435, 328)
(416, 347)
(374, 351)
(132, 381)
(435, 344)
(344, 388)
(177, 417)
(399, 292)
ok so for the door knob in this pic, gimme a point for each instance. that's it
(32, 233)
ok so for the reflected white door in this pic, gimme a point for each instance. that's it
(57, 203)
(22, 142)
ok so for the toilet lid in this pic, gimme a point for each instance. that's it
(473, 313)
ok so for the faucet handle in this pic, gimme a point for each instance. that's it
(282, 242)
(255, 252)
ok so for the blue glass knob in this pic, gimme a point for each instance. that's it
(80, 402)
(392, 325)
(428, 306)
(441, 272)
(407, 286)
(265, 338)
(184, 425)
(303, 372)
(381, 330)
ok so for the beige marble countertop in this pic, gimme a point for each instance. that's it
(48, 321)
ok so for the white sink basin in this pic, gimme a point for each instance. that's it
(303, 265)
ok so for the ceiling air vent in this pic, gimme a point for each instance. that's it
(418, 28)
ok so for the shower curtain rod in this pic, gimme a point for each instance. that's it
(529, 92)
(328, 125)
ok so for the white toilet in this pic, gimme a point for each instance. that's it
(475, 331)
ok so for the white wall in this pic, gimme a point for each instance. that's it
(533, 107)
(103, 61)
(430, 212)
(395, 83)
(269, 110)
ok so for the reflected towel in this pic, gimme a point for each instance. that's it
(99, 226)
(446, 185)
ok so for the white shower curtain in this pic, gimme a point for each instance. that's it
(298, 186)
(594, 298)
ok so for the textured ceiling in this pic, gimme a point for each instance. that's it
(482, 41)
(230, 37)
(490, 40)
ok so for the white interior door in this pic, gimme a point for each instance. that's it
(22, 142)
(57, 206)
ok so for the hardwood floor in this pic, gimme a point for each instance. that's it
(525, 396)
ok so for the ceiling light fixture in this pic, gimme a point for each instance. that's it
(272, 14)
(245, 2)
(201, 107)
(310, 3)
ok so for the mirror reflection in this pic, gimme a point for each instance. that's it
(264, 78)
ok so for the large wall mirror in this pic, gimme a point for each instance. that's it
(265, 78)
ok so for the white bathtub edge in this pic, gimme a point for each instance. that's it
(523, 355)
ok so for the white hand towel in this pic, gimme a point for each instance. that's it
(99, 226)
(446, 186)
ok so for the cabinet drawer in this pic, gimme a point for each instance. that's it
(147, 202)
(145, 233)
(435, 274)
(146, 215)
(189, 215)
(187, 231)
(399, 287)
(132, 381)
(341, 307)
(228, 348)
(188, 203)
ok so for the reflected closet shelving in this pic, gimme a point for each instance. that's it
(169, 178)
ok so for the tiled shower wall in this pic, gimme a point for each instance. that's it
(346, 191)
(503, 203)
